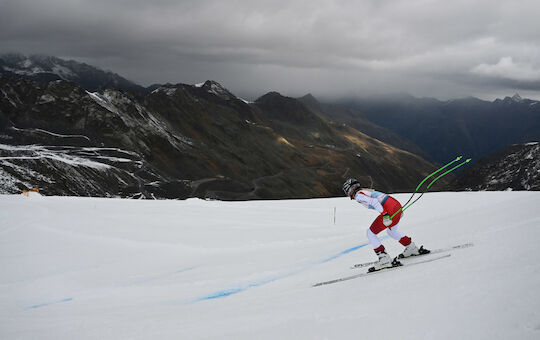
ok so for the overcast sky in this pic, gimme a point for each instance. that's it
(445, 49)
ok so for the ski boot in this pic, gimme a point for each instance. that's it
(385, 261)
(412, 250)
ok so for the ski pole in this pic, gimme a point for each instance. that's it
(405, 206)
(425, 179)
(457, 166)
(447, 165)
(430, 184)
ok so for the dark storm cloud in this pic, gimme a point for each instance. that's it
(330, 48)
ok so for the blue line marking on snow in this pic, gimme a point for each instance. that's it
(231, 291)
(221, 294)
(228, 292)
(50, 303)
(346, 251)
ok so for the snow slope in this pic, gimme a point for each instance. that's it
(86, 268)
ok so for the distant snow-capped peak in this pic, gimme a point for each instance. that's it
(517, 98)
(217, 89)
(35, 64)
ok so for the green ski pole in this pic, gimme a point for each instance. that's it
(457, 166)
(425, 179)
(440, 169)
(405, 206)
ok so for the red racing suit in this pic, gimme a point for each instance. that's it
(381, 202)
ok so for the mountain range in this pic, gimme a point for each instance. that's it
(179, 141)
(73, 129)
(445, 129)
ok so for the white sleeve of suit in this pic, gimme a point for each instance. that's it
(368, 201)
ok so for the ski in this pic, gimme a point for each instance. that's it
(435, 251)
(381, 271)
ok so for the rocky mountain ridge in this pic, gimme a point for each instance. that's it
(42, 68)
(516, 167)
(180, 141)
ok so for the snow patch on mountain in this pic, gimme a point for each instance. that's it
(46, 99)
(12, 101)
(104, 101)
(217, 89)
(26, 152)
(169, 91)
(49, 133)
(8, 182)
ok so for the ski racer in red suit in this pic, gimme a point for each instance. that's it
(387, 206)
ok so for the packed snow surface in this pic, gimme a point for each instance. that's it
(87, 268)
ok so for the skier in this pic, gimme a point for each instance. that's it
(386, 205)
